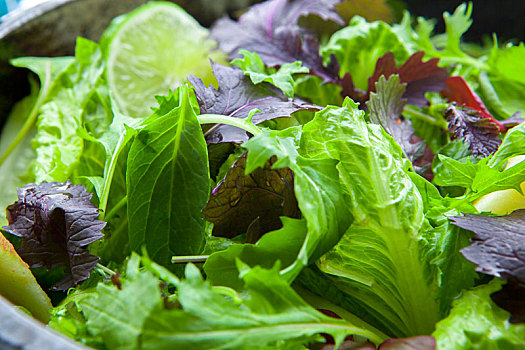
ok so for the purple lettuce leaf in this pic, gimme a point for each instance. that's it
(499, 250)
(236, 96)
(251, 203)
(56, 221)
(386, 107)
(420, 77)
(475, 129)
(271, 29)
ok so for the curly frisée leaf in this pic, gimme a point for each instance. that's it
(56, 221)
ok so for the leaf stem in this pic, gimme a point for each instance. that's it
(108, 177)
(413, 113)
(189, 258)
(116, 208)
(105, 269)
(224, 119)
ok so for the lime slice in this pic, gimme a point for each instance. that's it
(152, 50)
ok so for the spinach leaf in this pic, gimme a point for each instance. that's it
(168, 183)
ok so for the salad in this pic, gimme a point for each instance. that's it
(299, 177)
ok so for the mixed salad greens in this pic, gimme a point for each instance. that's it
(324, 181)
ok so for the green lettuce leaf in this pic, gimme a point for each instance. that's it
(475, 322)
(57, 143)
(320, 199)
(168, 183)
(117, 316)
(380, 261)
(253, 66)
(359, 45)
(133, 315)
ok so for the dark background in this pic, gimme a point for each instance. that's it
(506, 18)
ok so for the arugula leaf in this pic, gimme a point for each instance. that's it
(270, 29)
(200, 315)
(271, 313)
(496, 250)
(55, 222)
(480, 132)
(237, 97)
(396, 288)
(475, 322)
(253, 66)
(251, 203)
(118, 316)
(168, 183)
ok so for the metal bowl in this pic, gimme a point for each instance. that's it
(51, 29)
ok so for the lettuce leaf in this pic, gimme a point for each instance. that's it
(475, 322)
(358, 46)
(319, 197)
(168, 183)
(380, 261)
(269, 315)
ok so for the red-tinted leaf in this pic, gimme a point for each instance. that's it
(457, 90)
(422, 342)
(236, 96)
(421, 77)
(479, 131)
(385, 108)
(251, 203)
(55, 222)
(271, 30)
(499, 250)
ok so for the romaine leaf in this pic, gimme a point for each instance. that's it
(270, 29)
(475, 322)
(236, 96)
(253, 66)
(168, 184)
(56, 221)
(496, 249)
(396, 287)
(251, 203)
